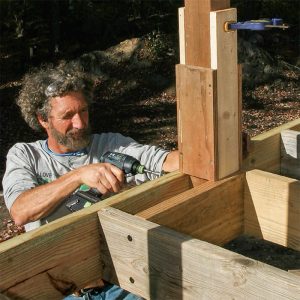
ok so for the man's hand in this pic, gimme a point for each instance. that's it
(171, 162)
(38, 202)
(104, 177)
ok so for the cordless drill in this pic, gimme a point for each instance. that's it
(128, 164)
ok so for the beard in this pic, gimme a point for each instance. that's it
(75, 139)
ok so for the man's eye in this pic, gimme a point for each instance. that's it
(66, 117)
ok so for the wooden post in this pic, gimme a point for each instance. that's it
(208, 107)
(197, 30)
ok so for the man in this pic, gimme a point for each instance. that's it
(40, 176)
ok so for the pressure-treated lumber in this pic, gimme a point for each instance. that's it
(159, 263)
(213, 211)
(296, 272)
(197, 30)
(272, 208)
(290, 153)
(59, 257)
(265, 149)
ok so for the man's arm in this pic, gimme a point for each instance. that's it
(171, 162)
(38, 202)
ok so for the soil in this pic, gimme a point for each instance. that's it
(135, 95)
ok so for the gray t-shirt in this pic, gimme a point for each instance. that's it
(32, 164)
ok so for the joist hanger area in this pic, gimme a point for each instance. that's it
(162, 239)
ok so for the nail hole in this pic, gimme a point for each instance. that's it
(131, 279)
(129, 237)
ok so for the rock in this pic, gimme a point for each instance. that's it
(258, 65)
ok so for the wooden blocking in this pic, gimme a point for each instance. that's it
(265, 149)
(159, 263)
(290, 153)
(196, 124)
(197, 30)
(224, 60)
(212, 211)
(272, 208)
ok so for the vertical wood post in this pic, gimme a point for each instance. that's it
(208, 112)
(197, 30)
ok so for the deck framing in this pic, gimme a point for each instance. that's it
(162, 240)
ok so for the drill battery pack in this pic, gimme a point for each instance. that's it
(75, 202)
(81, 200)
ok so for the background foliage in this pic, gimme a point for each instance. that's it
(64, 28)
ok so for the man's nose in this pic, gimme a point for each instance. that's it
(78, 122)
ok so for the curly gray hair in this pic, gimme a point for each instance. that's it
(40, 86)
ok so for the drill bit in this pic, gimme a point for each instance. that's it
(152, 172)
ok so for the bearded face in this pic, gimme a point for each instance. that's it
(74, 139)
(67, 124)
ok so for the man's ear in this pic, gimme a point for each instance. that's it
(44, 123)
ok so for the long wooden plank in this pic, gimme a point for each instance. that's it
(181, 35)
(265, 149)
(57, 258)
(213, 211)
(272, 208)
(224, 60)
(196, 124)
(159, 263)
(290, 153)
(197, 30)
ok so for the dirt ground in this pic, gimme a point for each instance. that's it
(136, 96)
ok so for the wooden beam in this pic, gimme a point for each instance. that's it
(197, 30)
(213, 211)
(55, 259)
(158, 263)
(151, 192)
(265, 149)
(224, 60)
(290, 153)
(196, 125)
(272, 208)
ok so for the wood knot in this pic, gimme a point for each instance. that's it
(63, 286)
(245, 262)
